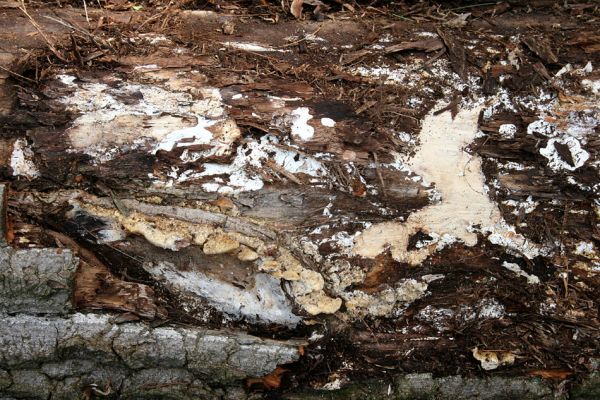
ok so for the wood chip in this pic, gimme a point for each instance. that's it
(427, 46)
(296, 8)
(456, 53)
(542, 48)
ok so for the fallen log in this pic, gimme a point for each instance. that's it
(326, 203)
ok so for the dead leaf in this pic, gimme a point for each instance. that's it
(358, 188)
(492, 359)
(296, 8)
(459, 21)
(269, 382)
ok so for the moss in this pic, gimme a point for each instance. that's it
(425, 387)
(589, 389)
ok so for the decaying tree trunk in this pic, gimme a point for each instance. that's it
(346, 202)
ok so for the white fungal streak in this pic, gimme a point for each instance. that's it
(107, 125)
(556, 162)
(254, 155)
(502, 234)
(21, 160)
(147, 66)
(300, 127)
(211, 187)
(284, 99)
(392, 76)
(66, 79)
(265, 302)
(527, 206)
(333, 385)
(327, 210)
(310, 37)
(187, 136)
(592, 85)
(248, 46)
(328, 122)
(531, 279)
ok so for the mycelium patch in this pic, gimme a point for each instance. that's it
(21, 160)
(463, 202)
(125, 116)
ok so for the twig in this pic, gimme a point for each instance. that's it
(379, 176)
(17, 75)
(68, 25)
(87, 18)
(302, 39)
(41, 32)
(472, 6)
(283, 172)
(76, 50)
(154, 17)
(91, 36)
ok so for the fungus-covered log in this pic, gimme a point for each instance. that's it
(228, 197)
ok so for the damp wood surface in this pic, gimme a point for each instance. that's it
(374, 189)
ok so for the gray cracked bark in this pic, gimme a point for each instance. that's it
(36, 281)
(46, 350)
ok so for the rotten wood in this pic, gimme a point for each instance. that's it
(195, 172)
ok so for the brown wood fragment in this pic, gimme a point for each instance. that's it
(541, 69)
(354, 56)
(159, 60)
(553, 374)
(296, 8)
(4, 228)
(281, 88)
(565, 153)
(456, 53)
(283, 172)
(588, 41)
(366, 105)
(379, 176)
(97, 288)
(542, 48)
(427, 46)
(270, 381)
